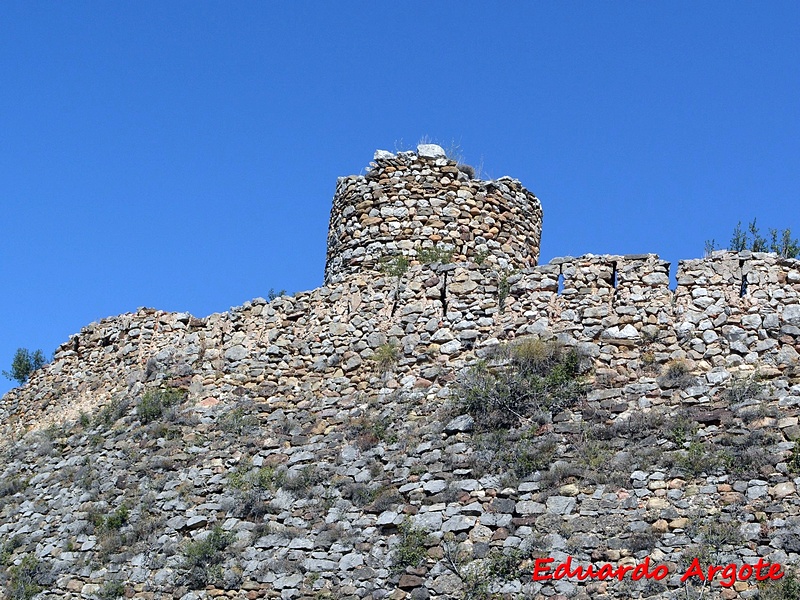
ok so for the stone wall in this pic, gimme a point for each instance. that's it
(410, 201)
(297, 442)
(614, 308)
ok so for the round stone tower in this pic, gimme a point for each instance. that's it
(423, 201)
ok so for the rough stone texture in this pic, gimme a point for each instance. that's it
(411, 201)
(291, 439)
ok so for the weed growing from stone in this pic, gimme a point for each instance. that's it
(413, 546)
(202, 558)
(154, 403)
(699, 458)
(111, 412)
(435, 254)
(7, 548)
(22, 583)
(394, 266)
(480, 256)
(786, 588)
(746, 388)
(237, 421)
(386, 357)
(536, 379)
(112, 590)
(676, 375)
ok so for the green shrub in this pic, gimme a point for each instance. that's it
(680, 428)
(480, 256)
(794, 460)
(116, 519)
(386, 357)
(782, 243)
(435, 254)
(786, 588)
(539, 378)
(154, 403)
(24, 363)
(12, 485)
(237, 421)
(394, 266)
(201, 558)
(741, 389)
(413, 546)
(112, 590)
(503, 289)
(676, 375)
(301, 483)
(111, 413)
(22, 584)
(7, 549)
(700, 458)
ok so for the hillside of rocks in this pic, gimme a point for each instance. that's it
(424, 426)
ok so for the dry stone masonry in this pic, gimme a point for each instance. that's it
(317, 444)
(412, 201)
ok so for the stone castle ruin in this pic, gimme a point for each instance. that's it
(316, 463)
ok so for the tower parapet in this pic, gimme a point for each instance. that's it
(422, 200)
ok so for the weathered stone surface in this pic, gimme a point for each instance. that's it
(312, 429)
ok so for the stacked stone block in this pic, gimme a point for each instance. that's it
(410, 201)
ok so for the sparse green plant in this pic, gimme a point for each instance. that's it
(413, 546)
(116, 519)
(780, 242)
(12, 485)
(478, 576)
(721, 534)
(384, 498)
(700, 458)
(794, 460)
(738, 239)
(154, 403)
(394, 266)
(480, 256)
(201, 556)
(22, 583)
(680, 428)
(112, 590)
(272, 294)
(262, 478)
(111, 412)
(783, 244)
(237, 421)
(748, 454)
(370, 429)
(539, 378)
(786, 588)
(435, 254)
(758, 242)
(360, 494)
(7, 549)
(710, 246)
(386, 357)
(84, 419)
(746, 388)
(301, 482)
(24, 363)
(676, 375)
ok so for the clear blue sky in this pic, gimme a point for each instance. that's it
(183, 155)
